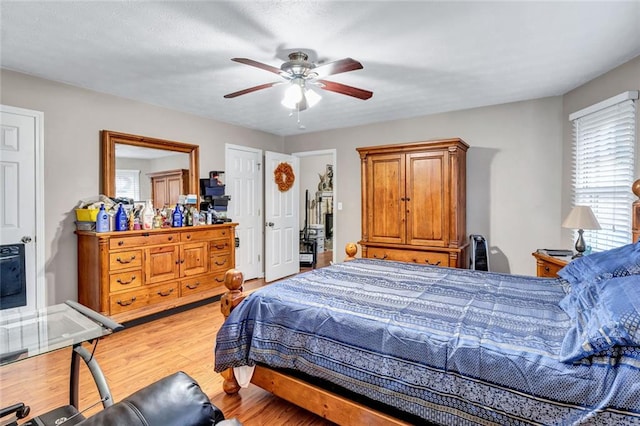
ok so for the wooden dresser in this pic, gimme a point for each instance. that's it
(131, 274)
(414, 202)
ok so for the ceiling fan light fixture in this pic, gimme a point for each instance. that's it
(294, 93)
(312, 97)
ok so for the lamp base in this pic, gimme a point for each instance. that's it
(580, 245)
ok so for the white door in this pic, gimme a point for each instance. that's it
(243, 177)
(21, 195)
(282, 225)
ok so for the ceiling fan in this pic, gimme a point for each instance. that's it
(302, 75)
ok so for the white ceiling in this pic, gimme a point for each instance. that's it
(419, 57)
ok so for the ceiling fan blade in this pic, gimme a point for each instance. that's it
(252, 89)
(337, 67)
(257, 64)
(332, 86)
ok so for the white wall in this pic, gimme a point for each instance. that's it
(73, 118)
(514, 168)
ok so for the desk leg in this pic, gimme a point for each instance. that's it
(78, 353)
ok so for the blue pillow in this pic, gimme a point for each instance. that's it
(617, 262)
(607, 315)
(586, 270)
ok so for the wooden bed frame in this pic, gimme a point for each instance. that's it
(329, 405)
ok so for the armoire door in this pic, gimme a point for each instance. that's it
(175, 185)
(159, 194)
(427, 198)
(386, 198)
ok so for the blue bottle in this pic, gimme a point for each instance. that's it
(122, 223)
(102, 221)
(176, 221)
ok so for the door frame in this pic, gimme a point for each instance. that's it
(39, 240)
(334, 153)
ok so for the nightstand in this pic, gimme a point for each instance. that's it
(548, 266)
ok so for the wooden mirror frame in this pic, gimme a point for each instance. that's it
(108, 163)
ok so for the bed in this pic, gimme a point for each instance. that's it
(426, 344)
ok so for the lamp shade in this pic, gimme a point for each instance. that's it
(581, 217)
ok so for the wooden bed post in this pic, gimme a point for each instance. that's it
(351, 249)
(233, 280)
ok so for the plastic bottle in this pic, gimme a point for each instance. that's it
(147, 216)
(102, 221)
(177, 217)
(122, 224)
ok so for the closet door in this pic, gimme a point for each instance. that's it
(385, 198)
(427, 198)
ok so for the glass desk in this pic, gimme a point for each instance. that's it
(25, 335)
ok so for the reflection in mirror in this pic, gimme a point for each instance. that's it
(134, 165)
(129, 162)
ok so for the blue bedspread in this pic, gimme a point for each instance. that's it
(448, 345)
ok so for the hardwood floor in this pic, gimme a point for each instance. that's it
(142, 354)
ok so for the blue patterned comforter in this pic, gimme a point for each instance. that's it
(450, 346)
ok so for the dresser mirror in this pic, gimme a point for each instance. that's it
(135, 159)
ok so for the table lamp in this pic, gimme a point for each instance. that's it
(581, 218)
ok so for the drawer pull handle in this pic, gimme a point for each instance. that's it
(127, 303)
(219, 280)
(220, 263)
(383, 257)
(220, 247)
(145, 234)
(170, 238)
(193, 286)
(547, 269)
(188, 236)
(166, 293)
(120, 242)
(124, 262)
(432, 264)
(133, 277)
(415, 260)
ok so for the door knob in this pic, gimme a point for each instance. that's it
(26, 239)
(270, 224)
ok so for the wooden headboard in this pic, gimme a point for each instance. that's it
(635, 212)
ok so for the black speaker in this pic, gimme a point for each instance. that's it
(479, 253)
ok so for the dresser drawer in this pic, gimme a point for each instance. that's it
(548, 270)
(142, 240)
(128, 301)
(207, 282)
(164, 292)
(218, 246)
(125, 280)
(199, 235)
(220, 261)
(143, 296)
(125, 260)
(425, 257)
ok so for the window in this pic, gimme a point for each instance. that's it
(604, 142)
(128, 184)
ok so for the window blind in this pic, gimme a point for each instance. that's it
(603, 168)
(128, 184)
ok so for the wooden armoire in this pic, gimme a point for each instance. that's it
(167, 186)
(414, 202)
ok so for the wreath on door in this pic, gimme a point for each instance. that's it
(284, 176)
